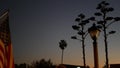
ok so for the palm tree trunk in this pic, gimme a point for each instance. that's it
(62, 57)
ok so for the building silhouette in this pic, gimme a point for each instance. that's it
(114, 65)
(74, 66)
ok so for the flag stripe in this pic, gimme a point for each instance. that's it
(10, 56)
(2, 49)
(1, 65)
(2, 54)
(1, 61)
(1, 57)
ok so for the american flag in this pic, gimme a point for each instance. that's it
(6, 54)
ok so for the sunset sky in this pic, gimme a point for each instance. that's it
(37, 26)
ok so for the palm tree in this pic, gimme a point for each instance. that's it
(62, 45)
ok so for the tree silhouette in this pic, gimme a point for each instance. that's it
(42, 64)
(22, 65)
(80, 28)
(62, 45)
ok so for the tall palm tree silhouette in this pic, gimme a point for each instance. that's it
(62, 45)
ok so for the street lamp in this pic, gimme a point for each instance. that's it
(94, 33)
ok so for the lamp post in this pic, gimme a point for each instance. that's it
(94, 33)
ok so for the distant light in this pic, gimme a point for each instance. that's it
(78, 67)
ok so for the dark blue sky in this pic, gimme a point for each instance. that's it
(38, 25)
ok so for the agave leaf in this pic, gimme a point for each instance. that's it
(75, 27)
(98, 14)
